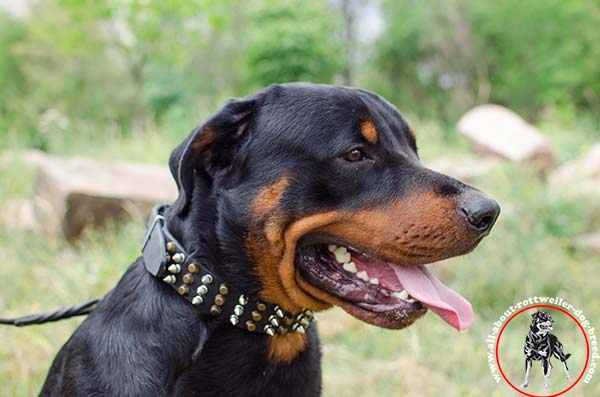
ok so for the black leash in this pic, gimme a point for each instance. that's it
(63, 313)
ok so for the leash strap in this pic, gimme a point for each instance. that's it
(165, 258)
(60, 314)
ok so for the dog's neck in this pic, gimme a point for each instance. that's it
(216, 241)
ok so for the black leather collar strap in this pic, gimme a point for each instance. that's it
(166, 259)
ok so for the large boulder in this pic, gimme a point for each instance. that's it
(580, 176)
(71, 193)
(496, 131)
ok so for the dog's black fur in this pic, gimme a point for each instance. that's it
(541, 345)
(144, 340)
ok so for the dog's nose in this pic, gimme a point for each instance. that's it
(480, 210)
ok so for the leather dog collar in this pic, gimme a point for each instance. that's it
(165, 258)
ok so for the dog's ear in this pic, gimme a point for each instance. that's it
(535, 315)
(209, 147)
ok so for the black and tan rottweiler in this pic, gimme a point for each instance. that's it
(541, 345)
(305, 196)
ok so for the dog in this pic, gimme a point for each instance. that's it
(300, 197)
(541, 345)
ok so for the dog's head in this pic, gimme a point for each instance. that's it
(317, 194)
(542, 322)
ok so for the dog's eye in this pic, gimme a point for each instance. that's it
(355, 154)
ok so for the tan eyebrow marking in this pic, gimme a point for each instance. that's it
(367, 128)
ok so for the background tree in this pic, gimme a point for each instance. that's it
(292, 40)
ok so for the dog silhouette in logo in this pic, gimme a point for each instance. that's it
(541, 345)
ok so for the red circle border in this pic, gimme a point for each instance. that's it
(587, 345)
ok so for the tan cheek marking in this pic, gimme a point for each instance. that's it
(269, 198)
(283, 349)
(369, 132)
(265, 245)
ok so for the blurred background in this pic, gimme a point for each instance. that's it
(95, 94)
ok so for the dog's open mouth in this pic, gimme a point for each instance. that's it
(386, 294)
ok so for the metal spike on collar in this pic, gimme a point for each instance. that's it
(269, 330)
(305, 322)
(238, 310)
(274, 321)
(298, 328)
(278, 311)
(202, 290)
(197, 300)
(175, 269)
(207, 279)
(178, 257)
(170, 279)
(233, 319)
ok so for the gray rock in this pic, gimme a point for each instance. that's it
(19, 213)
(588, 242)
(72, 193)
(580, 176)
(493, 130)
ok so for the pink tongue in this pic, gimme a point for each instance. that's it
(444, 301)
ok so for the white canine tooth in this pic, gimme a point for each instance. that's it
(363, 275)
(401, 295)
(342, 255)
(374, 281)
(350, 267)
(332, 247)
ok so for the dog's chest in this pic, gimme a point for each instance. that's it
(541, 346)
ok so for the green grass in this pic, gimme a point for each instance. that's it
(528, 253)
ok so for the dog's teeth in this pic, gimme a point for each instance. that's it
(350, 267)
(401, 295)
(363, 275)
(332, 247)
(374, 281)
(342, 255)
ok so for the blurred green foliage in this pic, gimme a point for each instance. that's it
(292, 41)
(442, 57)
(122, 67)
